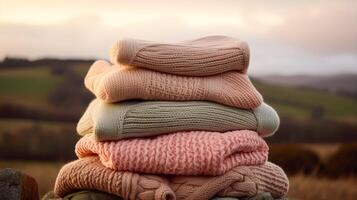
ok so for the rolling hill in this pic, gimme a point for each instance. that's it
(339, 83)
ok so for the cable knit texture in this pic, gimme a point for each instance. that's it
(241, 181)
(89, 173)
(201, 57)
(113, 84)
(181, 153)
(149, 118)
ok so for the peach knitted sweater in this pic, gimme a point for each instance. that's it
(113, 84)
(201, 57)
(242, 181)
(181, 153)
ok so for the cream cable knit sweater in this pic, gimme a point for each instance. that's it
(149, 118)
(113, 84)
(201, 57)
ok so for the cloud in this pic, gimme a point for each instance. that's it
(328, 28)
(285, 36)
(269, 57)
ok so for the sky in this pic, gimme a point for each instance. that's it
(285, 37)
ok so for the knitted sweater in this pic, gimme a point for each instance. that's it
(201, 57)
(244, 181)
(89, 173)
(98, 195)
(241, 181)
(149, 118)
(113, 84)
(181, 153)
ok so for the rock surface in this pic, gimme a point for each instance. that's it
(15, 185)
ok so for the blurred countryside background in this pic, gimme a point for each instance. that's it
(303, 61)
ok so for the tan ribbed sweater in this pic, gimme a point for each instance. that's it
(243, 181)
(201, 57)
(113, 84)
(89, 173)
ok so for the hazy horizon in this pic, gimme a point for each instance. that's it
(304, 37)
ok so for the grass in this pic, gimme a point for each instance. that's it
(315, 188)
(291, 111)
(28, 86)
(298, 101)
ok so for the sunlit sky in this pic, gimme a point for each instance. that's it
(285, 37)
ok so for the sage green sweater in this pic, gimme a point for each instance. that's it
(149, 118)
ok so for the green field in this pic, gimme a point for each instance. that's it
(28, 87)
(35, 81)
(296, 102)
(31, 86)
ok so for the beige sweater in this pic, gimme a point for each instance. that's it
(200, 57)
(89, 173)
(113, 84)
(243, 181)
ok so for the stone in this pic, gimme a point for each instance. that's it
(15, 185)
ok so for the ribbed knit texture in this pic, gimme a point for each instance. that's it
(149, 118)
(182, 153)
(242, 181)
(201, 57)
(268, 120)
(113, 84)
(89, 173)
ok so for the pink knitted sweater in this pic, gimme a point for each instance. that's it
(113, 84)
(241, 181)
(181, 153)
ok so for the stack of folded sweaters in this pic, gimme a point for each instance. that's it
(174, 121)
